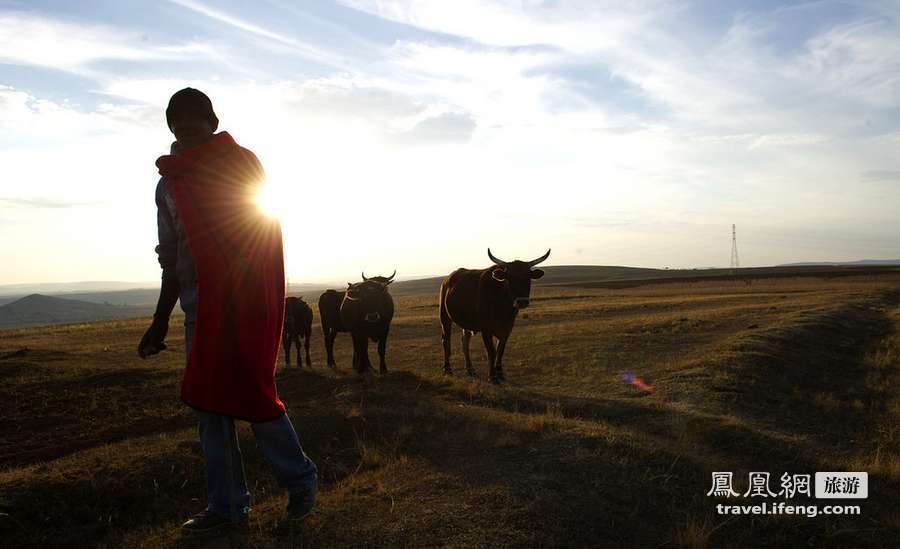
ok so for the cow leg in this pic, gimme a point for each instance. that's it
(356, 353)
(364, 355)
(491, 352)
(361, 353)
(306, 345)
(354, 361)
(466, 338)
(299, 348)
(286, 343)
(329, 347)
(501, 347)
(446, 328)
(382, 347)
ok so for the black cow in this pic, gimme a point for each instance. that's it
(297, 324)
(330, 316)
(486, 301)
(366, 312)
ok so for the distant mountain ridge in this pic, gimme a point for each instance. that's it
(141, 293)
(47, 288)
(38, 309)
(863, 262)
(136, 297)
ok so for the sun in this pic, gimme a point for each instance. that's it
(269, 200)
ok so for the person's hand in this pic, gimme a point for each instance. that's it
(154, 338)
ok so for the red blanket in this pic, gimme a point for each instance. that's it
(240, 272)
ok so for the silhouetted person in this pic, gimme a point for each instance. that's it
(224, 259)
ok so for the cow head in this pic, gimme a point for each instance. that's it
(516, 276)
(382, 279)
(369, 296)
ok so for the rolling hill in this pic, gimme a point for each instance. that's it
(784, 376)
(861, 262)
(601, 276)
(38, 309)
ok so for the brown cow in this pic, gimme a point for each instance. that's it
(486, 301)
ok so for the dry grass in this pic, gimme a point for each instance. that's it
(793, 375)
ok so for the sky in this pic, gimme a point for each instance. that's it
(413, 135)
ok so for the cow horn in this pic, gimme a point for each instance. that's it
(364, 275)
(391, 278)
(347, 293)
(544, 257)
(495, 260)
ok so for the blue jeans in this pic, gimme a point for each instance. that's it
(226, 484)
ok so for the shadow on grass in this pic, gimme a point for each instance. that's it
(809, 376)
(477, 465)
(570, 487)
(51, 417)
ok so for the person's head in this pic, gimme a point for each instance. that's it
(191, 118)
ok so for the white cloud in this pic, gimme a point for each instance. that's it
(445, 128)
(30, 117)
(29, 39)
(489, 83)
(858, 60)
(635, 135)
(294, 45)
(577, 26)
(787, 140)
(731, 79)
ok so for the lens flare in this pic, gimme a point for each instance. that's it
(629, 379)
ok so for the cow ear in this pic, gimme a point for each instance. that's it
(499, 275)
(536, 273)
(349, 285)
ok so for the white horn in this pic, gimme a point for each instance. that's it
(541, 259)
(495, 260)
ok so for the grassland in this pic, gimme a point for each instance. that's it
(782, 375)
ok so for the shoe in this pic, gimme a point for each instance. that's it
(299, 507)
(207, 521)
